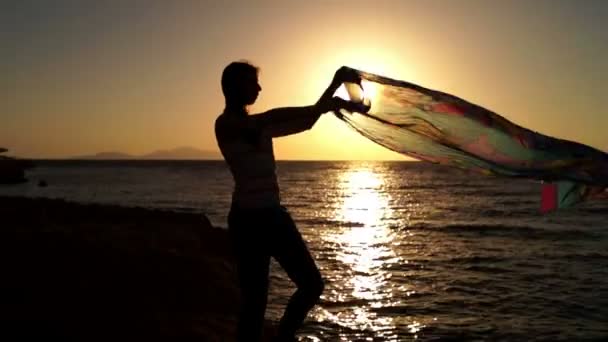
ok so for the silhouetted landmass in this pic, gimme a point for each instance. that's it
(183, 153)
(107, 156)
(106, 273)
(12, 170)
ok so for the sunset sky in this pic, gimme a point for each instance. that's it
(80, 77)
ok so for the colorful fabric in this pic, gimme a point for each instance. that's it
(440, 128)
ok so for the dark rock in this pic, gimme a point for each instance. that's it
(12, 170)
(100, 273)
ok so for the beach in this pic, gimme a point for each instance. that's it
(100, 272)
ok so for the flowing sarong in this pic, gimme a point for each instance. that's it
(440, 128)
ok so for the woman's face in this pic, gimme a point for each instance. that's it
(250, 89)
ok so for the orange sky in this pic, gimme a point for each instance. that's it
(85, 77)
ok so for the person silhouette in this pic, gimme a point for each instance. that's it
(259, 226)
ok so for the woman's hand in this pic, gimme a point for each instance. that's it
(346, 74)
(329, 103)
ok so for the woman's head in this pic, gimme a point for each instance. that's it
(240, 83)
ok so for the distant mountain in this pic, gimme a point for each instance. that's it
(180, 153)
(107, 156)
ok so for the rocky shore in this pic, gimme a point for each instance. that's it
(105, 273)
(12, 170)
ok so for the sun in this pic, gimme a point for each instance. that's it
(368, 91)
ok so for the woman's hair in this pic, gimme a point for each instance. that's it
(233, 74)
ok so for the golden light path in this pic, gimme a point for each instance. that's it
(367, 249)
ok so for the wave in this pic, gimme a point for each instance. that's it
(488, 269)
(487, 192)
(509, 212)
(328, 222)
(594, 211)
(409, 310)
(506, 230)
(476, 259)
(587, 257)
(518, 202)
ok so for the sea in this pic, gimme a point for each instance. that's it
(409, 251)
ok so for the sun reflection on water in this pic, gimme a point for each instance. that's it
(365, 248)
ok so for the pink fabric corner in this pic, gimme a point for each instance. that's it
(548, 198)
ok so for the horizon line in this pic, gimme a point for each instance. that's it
(211, 159)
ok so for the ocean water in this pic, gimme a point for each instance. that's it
(409, 251)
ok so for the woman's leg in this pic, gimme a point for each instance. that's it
(253, 260)
(253, 282)
(292, 254)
